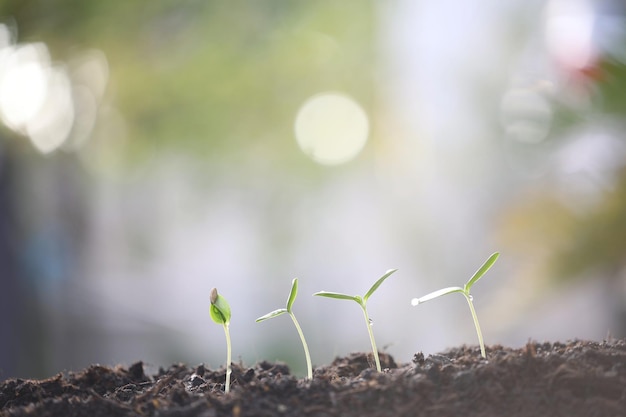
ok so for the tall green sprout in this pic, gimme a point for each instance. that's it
(362, 301)
(290, 300)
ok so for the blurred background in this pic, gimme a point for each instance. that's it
(152, 150)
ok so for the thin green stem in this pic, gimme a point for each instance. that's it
(309, 367)
(369, 330)
(475, 317)
(228, 358)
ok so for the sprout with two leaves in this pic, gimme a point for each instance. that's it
(466, 292)
(290, 300)
(362, 302)
(220, 313)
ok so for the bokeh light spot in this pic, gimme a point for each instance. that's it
(569, 31)
(23, 83)
(526, 115)
(54, 121)
(331, 128)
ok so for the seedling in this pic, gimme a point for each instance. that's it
(292, 297)
(466, 292)
(362, 301)
(220, 313)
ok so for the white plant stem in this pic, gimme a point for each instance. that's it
(228, 358)
(475, 317)
(371, 333)
(309, 367)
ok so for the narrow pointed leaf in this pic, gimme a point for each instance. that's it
(292, 294)
(273, 314)
(435, 294)
(336, 295)
(481, 271)
(377, 284)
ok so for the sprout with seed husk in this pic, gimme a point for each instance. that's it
(220, 313)
(290, 300)
(466, 292)
(362, 302)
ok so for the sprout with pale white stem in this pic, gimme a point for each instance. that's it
(465, 290)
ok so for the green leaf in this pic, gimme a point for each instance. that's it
(217, 315)
(220, 310)
(481, 271)
(377, 284)
(273, 314)
(338, 296)
(435, 294)
(292, 294)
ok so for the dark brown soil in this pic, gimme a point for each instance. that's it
(542, 379)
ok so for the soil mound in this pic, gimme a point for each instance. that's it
(578, 378)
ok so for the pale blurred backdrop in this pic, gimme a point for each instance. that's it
(152, 150)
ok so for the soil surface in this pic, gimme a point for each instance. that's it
(576, 378)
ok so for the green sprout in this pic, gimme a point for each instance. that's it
(276, 313)
(466, 292)
(220, 313)
(362, 302)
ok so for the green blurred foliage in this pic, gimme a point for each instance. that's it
(590, 241)
(603, 84)
(222, 81)
(597, 242)
(611, 83)
(209, 77)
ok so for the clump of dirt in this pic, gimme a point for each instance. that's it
(577, 378)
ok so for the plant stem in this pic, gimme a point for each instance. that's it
(309, 367)
(228, 358)
(475, 317)
(369, 329)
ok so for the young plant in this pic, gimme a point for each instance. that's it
(292, 297)
(466, 292)
(362, 301)
(220, 313)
